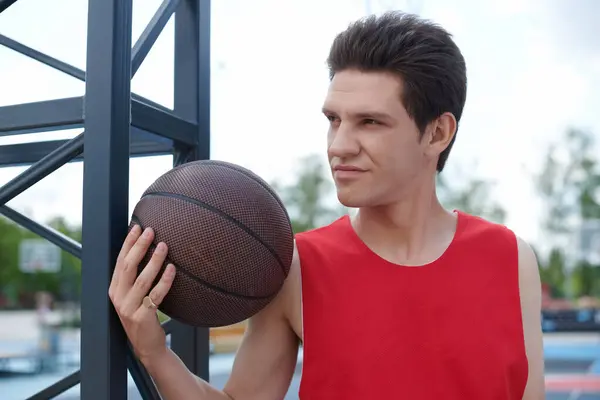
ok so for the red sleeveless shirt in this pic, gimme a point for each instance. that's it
(448, 330)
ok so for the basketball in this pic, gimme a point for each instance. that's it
(229, 237)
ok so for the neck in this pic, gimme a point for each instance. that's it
(413, 230)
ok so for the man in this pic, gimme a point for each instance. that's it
(403, 301)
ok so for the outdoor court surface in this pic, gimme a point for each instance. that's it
(572, 366)
(572, 372)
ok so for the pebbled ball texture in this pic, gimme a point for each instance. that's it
(229, 237)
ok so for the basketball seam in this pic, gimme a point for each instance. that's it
(219, 289)
(248, 175)
(266, 187)
(203, 282)
(223, 215)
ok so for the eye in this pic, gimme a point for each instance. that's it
(332, 118)
(369, 121)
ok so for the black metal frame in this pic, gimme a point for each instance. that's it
(117, 125)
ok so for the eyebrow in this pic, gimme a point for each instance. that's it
(363, 114)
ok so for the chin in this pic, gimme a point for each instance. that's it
(352, 198)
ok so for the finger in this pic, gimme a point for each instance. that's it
(128, 243)
(143, 283)
(132, 260)
(130, 239)
(158, 293)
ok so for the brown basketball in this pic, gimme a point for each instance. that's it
(229, 237)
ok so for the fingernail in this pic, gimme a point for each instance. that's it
(170, 270)
(147, 232)
(161, 247)
(135, 228)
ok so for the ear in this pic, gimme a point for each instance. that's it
(440, 133)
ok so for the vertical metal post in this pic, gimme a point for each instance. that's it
(192, 102)
(105, 195)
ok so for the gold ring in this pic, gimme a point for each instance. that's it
(148, 303)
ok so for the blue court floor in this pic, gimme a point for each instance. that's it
(572, 372)
(572, 366)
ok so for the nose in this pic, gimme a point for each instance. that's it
(342, 142)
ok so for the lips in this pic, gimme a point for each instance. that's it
(348, 168)
(346, 173)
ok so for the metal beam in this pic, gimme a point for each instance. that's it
(68, 113)
(192, 102)
(58, 238)
(63, 66)
(105, 195)
(38, 171)
(42, 57)
(41, 116)
(57, 388)
(142, 379)
(112, 115)
(147, 39)
(23, 154)
(4, 4)
(168, 326)
(163, 123)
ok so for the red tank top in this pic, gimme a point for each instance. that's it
(448, 330)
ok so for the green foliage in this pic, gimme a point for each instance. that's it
(309, 198)
(585, 280)
(18, 288)
(569, 182)
(569, 186)
(472, 196)
(10, 236)
(553, 273)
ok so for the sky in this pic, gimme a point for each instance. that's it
(533, 71)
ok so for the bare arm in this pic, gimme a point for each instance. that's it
(531, 300)
(265, 361)
(175, 382)
(263, 366)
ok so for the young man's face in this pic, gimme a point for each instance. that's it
(375, 149)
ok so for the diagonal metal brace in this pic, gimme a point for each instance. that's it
(63, 66)
(57, 388)
(41, 169)
(142, 379)
(4, 4)
(52, 235)
(147, 39)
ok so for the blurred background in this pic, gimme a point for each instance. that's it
(526, 155)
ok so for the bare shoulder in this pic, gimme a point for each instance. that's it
(528, 263)
(531, 299)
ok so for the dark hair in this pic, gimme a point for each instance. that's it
(421, 52)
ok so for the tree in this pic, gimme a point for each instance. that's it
(554, 274)
(10, 236)
(569, 186)
(309, 198)
(472, 195)
(310, 202)
(17, 287)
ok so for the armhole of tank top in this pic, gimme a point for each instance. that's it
(301, 349)
(514, 241)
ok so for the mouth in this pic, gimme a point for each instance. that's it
(346, 172)
(347, 168)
